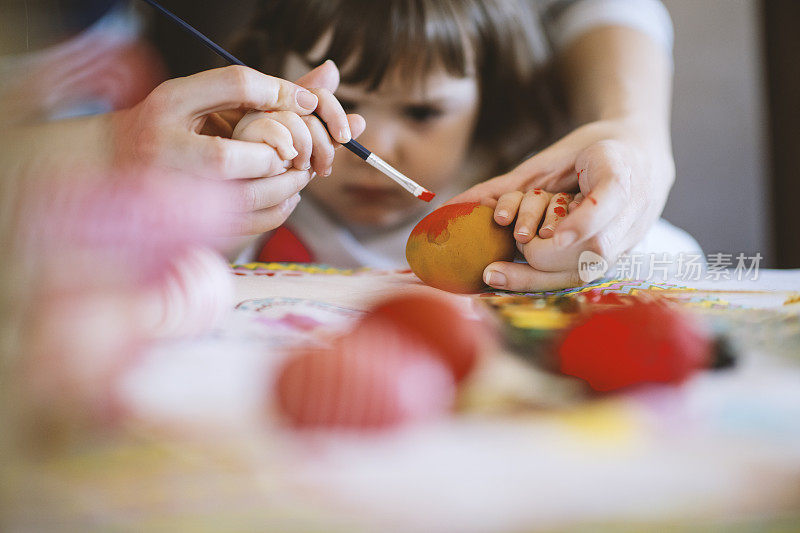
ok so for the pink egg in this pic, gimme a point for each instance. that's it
(375, 377)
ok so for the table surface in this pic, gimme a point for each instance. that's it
(723, 445)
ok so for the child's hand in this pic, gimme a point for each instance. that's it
(300, 146)
(303, 141)
(536, 209)
(624, 187)
(283, 131)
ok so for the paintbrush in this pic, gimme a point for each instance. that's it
(373, 160)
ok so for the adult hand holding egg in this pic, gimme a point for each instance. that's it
(619, 160)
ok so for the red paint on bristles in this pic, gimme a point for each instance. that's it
(426, 196)
(436, 223)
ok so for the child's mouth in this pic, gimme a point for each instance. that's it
(363, 193)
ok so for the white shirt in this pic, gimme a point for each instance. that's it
(566, 20)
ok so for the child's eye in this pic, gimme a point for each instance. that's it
(422, 113)
(349, 106)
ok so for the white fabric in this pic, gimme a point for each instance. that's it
(663, 237)
(664, 244)
(647, 16)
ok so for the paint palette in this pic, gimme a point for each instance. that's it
(768, 322)
(532, 322)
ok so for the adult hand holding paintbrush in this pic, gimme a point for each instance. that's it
(301, 140)
(304, 141)
(328, 105)
(260, 181)
(163, 131)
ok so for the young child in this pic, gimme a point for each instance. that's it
(453, 91)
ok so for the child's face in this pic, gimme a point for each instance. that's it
(424, 132)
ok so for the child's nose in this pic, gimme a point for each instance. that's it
(384, 140)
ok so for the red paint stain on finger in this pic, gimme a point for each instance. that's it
(561, 200)
(560, 211)
(537, 191)
(592, 199)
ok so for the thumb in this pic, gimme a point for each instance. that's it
(325, 76)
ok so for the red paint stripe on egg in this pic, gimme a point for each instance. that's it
(434, 224)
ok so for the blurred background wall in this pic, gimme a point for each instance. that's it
(722, 192)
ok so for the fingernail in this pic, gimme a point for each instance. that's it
(546, 228)
(523, 232)
(502, 214)
(495, 279)
(307, 100)
(327, 173)
(292, 153)
(566, 238)
(307, 166)
(345, 135)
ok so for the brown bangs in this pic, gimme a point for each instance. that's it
(369, 39)
(417, 37)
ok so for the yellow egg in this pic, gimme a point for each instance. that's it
(450, 248)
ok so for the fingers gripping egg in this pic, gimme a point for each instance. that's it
(450, 248)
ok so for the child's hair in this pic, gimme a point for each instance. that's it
(496, 40)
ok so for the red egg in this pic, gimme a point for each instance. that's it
(641, 343)
(442, 323)
(374, 377)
